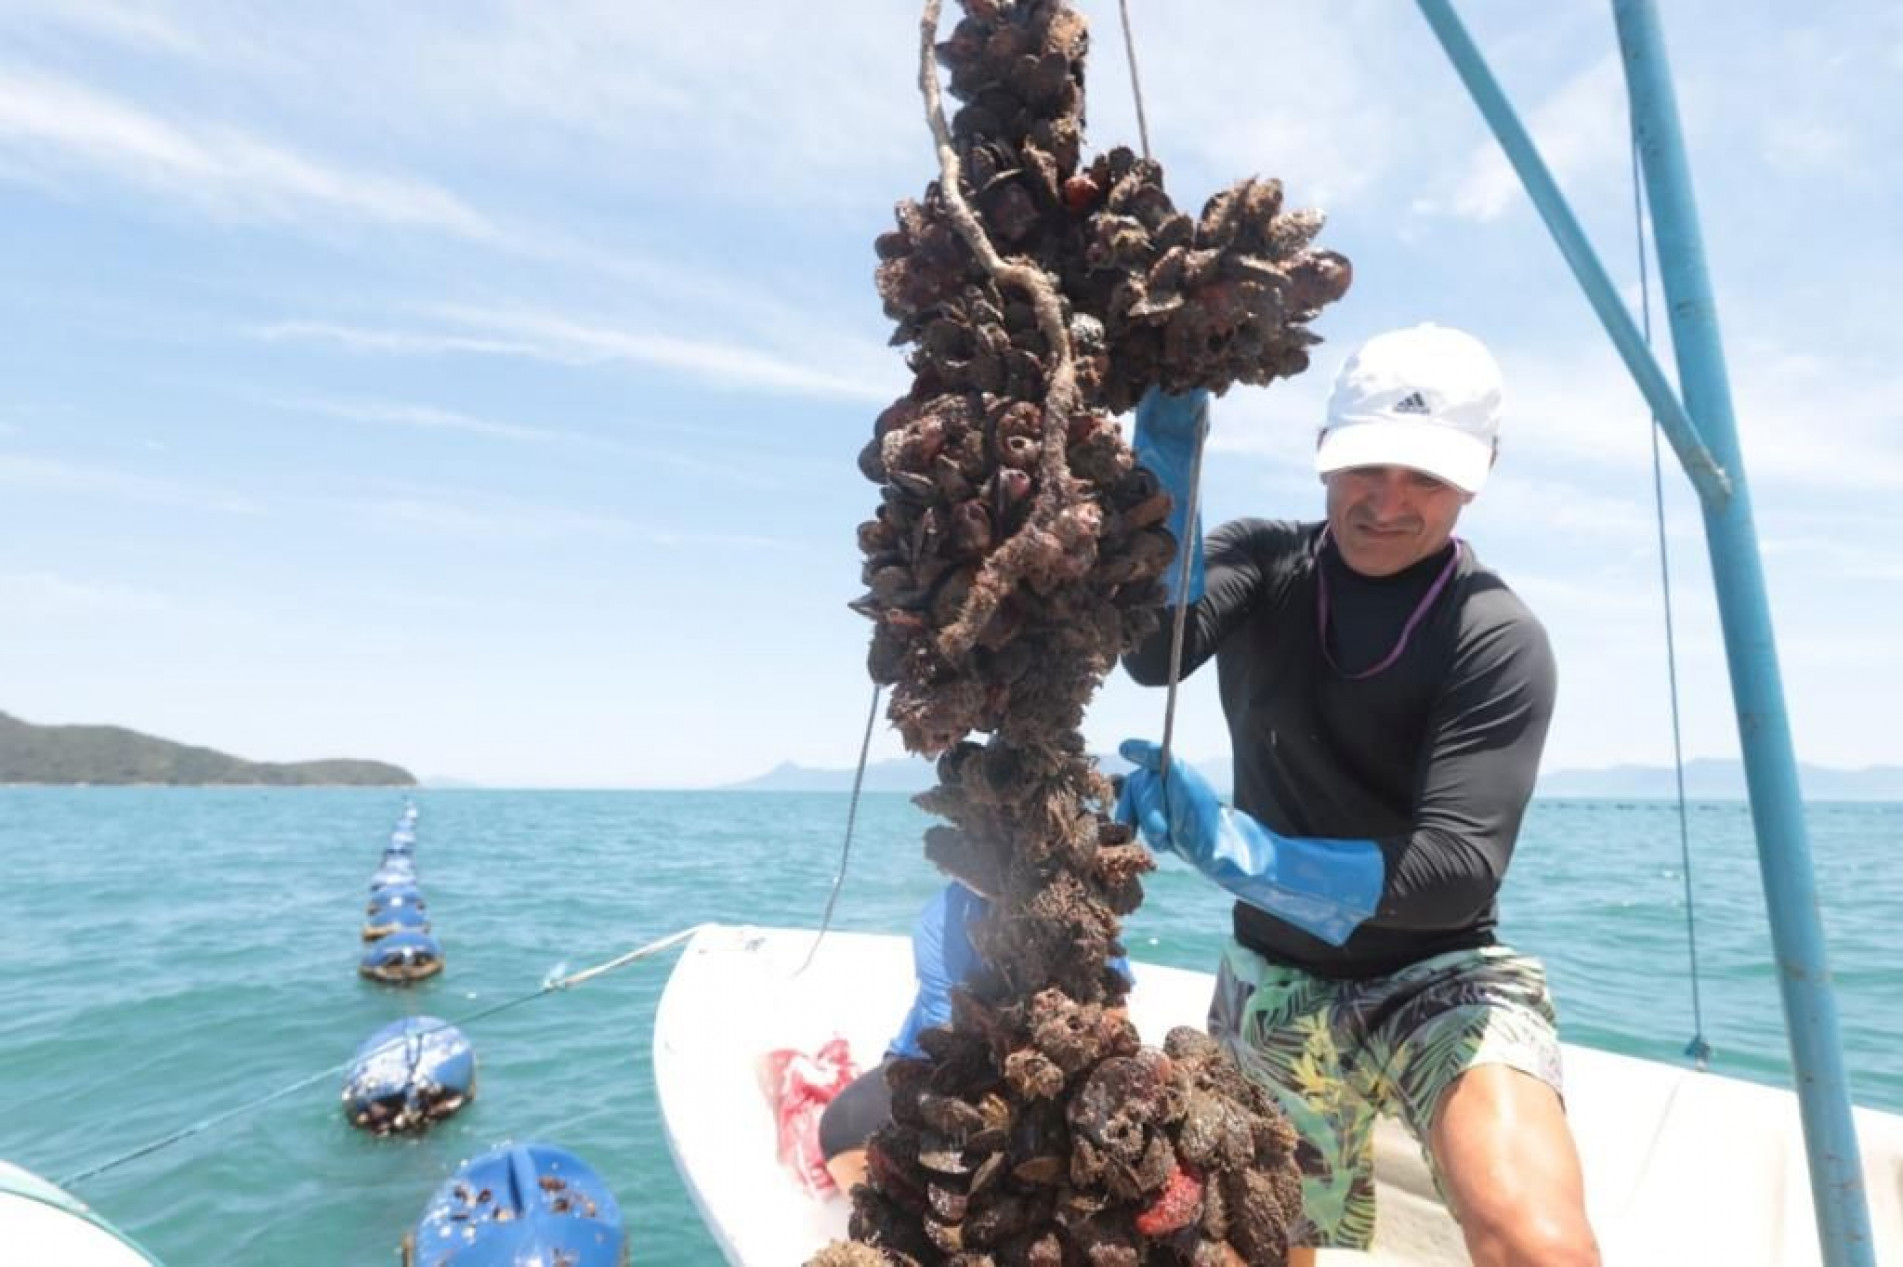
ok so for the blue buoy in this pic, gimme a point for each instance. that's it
(399, 918)
(521, 1205)
(393, 871)
(402, 957)
(394, 895)
(409, 1073)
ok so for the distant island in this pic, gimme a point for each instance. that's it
(1706, 779)
(115, 755)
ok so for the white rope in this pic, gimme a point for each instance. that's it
(549, 986)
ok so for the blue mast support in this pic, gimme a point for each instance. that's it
(1810, 1007)
(1705, 473)
(1770, 764)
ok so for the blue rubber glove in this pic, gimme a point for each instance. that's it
(1326, 888)
(1165, 444)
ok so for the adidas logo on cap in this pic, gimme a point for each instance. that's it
(1411, 404)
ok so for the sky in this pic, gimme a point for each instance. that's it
(477, 385)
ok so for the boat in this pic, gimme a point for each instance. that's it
(1681, 1166)
(41, 1222)
(522, 1205)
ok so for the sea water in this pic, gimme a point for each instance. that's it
(171, 953)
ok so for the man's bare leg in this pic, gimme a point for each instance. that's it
(1507, 1159)
(847, 1168)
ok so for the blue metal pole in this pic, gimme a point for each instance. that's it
(1777, 810)
(1706, 474)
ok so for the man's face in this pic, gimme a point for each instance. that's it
(1386, 518)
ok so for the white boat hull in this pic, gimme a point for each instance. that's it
(1681, 1167)
(42, 1223)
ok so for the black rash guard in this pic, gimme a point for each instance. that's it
(1433, 758)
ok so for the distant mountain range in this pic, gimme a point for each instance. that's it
(906, 774)
(1720, 779)
(113, 754)
(1706, 779)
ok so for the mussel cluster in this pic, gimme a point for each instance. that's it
(1016, 551)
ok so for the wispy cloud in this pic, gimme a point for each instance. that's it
(41, 595)
(561, 340)
(488, 519)
(1580, 131)
(1797, 146)
(423, 418)
(137, 26)
(50, 475)
(450, 421)
(48, 125)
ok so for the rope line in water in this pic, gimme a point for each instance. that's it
(1698, 1049)
(845, 848)
(551, 985)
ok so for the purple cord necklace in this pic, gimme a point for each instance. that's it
(1407, 630)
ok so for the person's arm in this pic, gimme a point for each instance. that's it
(1223, 579)
(1326, 888)
(1168, 430)
(942, 957)
(1233, 581)
(1476, 777)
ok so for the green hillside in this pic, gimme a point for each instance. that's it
(113, 754)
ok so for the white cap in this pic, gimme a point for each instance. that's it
(1427, 398)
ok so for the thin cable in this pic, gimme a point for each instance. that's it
(548, 986)
(845, 848)
(1136, 87)
(1698, 1049)
(1185, 552)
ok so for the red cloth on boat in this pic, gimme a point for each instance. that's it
(800, 1087)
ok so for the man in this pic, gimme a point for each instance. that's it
(1387, 697)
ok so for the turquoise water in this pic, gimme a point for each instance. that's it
(171, 952)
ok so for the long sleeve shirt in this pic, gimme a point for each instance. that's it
(1433, 758)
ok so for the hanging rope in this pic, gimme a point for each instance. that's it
(1698, 1049)
(550, 985)
(1136, 91)
(845, 848)
(1185, 558)
(1185, 555)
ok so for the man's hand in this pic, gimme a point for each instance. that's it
(1326, 888)
(1179, 814)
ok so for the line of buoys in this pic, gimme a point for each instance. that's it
(521, 1205)
(419, 1069)
(401, 948)
(518, 1205)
